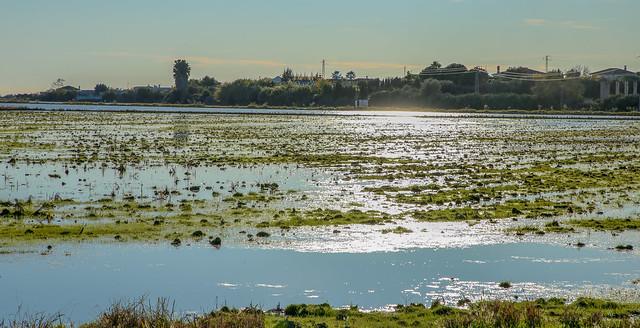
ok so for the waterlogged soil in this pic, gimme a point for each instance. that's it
(261, 179)
(346, 209)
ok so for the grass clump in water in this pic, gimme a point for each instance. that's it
(608, 224)
(397, 230)
(323, 217)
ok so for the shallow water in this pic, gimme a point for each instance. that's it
(83, 281)
(209, 110)
(90, 183)
(62, 156)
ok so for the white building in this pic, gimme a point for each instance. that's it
(624, 82)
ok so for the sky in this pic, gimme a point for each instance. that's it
(125, 43)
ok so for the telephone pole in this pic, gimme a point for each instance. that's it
(477, 82)
(323, 64)
(638, 91)
(546, 60)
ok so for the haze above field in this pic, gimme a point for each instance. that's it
(125, 43)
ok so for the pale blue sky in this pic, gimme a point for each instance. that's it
(132, 42)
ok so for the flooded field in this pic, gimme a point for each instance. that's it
(347, 209)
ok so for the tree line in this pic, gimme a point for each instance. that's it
(447, 91)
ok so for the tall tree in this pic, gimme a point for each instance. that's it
(181, 72)
(209, 81)
(57, 84)
(287, 75)
(101, 88)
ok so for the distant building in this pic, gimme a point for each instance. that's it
(68, 88)
(356, 81)
(301, 80)
(362, 103)
(617, 81)
(88, 95)
(430, 71)
(154, 88)
(523, 70)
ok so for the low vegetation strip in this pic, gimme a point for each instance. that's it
(542, 313)
(608, 224)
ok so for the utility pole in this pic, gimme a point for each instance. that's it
(477, 88)
(638, 91)
(323, 64)
(546, 60)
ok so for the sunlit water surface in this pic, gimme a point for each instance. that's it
(81, 281)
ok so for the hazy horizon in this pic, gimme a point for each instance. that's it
(125, 44)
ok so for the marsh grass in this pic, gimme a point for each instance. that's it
(35, 321)
(162, 314)
(551, 313)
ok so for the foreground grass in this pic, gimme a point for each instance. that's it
(584, 312)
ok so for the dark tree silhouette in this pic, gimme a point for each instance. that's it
(101, 88)
(181, 72)
(351, 75)
(287, 75)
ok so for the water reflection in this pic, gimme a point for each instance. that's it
(81, 280)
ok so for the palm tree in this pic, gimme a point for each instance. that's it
(351, 75)
(435, 65)
(336, 75)
(181, 72)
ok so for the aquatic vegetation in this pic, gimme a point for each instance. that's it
(215, 172)
(20, 232)
(397, 230)
(320, 217)
(608, 224)
(510, 209)
(624, 248)
(549, 227)
(216, 242)
(263, 234)
(505, 284)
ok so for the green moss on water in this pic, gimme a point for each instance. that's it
(607, 224)
(321, 217)
(549, 227)
(510, 209)
(397, 230)
(21, 233)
